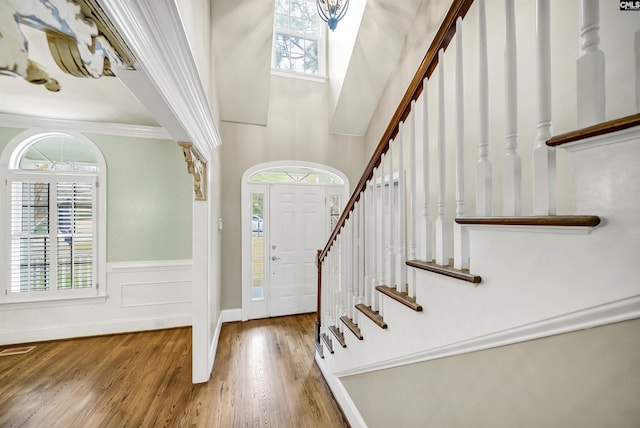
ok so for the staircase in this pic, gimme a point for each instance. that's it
(399, 282)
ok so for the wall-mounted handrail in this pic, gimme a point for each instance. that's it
(428, 65)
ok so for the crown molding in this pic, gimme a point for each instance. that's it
(119, 129)
(153, 32)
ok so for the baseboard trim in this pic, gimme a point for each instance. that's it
(214, 344)
(341, 395)
(87, 330)
(227, 315)
(608, 313)
(146, 266)
(231, 315)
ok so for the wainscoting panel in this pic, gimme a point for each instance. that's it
(139, 296)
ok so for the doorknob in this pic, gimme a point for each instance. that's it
(274, 258)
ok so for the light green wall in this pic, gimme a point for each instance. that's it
(588, 378)
(149, 197)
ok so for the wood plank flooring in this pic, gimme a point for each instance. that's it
(264, 376)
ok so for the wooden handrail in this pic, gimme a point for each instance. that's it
(595, 130)
(428, 65)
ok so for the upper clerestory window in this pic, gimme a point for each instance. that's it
(298, 45)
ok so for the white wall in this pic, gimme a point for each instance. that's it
(140, 296)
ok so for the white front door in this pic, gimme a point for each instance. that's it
(297, 231)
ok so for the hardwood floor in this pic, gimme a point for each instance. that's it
(264, 376)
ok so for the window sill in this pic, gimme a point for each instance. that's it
(302, 76)
(52, 302)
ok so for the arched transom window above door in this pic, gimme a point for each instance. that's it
(292, 174)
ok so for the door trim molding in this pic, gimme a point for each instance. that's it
(245, 230)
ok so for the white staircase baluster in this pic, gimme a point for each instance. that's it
(512, 176)
(591, 93)
(344, 275)
(484, 174)
(326, 291)
(375, 234)
(362, 252)
(359, 250)
(337, 263)
(413, 215)
(442, 238)
(413, 167)
(427, 253)
(460, 238)
(544, 157)
(351, 262)
(392, 219)
(383, 239)
(636, 50)
(402, 216)
(369, 239)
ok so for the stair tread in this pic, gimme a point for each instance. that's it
(338, 335)
(327, 342)
(447, 270)
(353, 327)
(543, 220)
(372, 315)
(400, 296)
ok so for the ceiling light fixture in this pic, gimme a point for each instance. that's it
(332, 11)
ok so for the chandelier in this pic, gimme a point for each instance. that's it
(332, 11)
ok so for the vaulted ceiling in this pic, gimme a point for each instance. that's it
(362, 54)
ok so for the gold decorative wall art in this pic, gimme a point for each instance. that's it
(197, 167)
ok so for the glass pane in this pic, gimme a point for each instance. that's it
(334, 211)
(282, 51)
(281, 22)
(30, 248)
(311, 57)
(295, 174)
(59, 152)
(75, 235)
(297, 55)
(282, 6)
(257, 246)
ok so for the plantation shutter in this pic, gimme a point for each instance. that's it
(52, 233)
(30, 237)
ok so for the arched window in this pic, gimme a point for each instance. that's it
(53, 229)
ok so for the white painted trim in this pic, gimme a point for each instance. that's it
(608, 313)
(226, 315)
(231, 315)
(560, 230)
(341, 395)
(153, 31)
(124, 285)
(9, 155)
(54, 302)
(302, 76)
(95, 329)
(146, 266)
(625, 135)
(245, 213)
(119, 129)
(214, 343)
